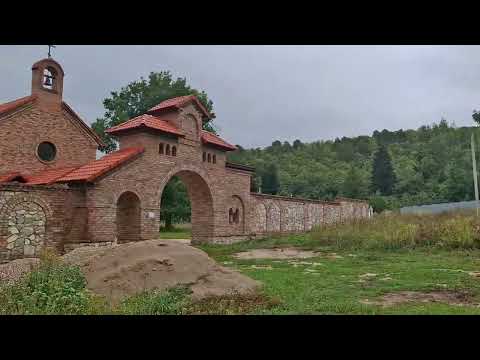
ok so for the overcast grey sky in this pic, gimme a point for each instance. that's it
(265, 93)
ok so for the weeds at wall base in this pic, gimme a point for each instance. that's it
(450, 231)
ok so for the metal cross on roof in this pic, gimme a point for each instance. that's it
(49, 48)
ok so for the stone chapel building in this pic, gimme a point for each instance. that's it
(55, 193)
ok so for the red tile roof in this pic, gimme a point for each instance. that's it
(48, 176)
(12, 105)
(147, 121)
(179, 102)
(93, 170)
(213, 139)
(9, 176)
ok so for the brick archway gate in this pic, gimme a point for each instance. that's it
(201, 200)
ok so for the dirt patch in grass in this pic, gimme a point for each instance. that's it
(448, 297)
(284, 253)
(129, 269)
(232, 304)
(276, 253)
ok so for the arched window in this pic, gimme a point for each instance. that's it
(236, 217)
(214, 159)
(209, 158)
(49, 79)
(167, 149)
(160, 148)
(230, 216)
(174, 151)
(204, 156)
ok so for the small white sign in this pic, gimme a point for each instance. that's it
(151, 215)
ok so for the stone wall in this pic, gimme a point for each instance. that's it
(37, 217)
(279, 214)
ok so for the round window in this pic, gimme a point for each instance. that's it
(46, 151)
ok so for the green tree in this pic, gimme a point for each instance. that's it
(383, 176)
(476, 116)
(297, 144)
(270, 180)
(355, 184)
(459, 182)
(139, 96)
(378, 204)
(175, 205)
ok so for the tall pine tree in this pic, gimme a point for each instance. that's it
(383, 176)
(270, 180)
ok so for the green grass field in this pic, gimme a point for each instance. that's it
(335, 285)
(182, 231)
(353, 263)
(406, 253)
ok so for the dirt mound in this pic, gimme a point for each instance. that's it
(131, 268)
(447, 297)
(278, 253)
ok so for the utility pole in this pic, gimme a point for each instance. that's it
(474, 166)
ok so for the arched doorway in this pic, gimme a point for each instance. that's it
(237, 217)
(201, 203)
(128, 217)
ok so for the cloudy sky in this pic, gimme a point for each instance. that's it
(265, 93)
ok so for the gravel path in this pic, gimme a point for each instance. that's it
(14, 270)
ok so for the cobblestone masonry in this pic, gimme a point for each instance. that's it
(32, 217)
(26, 229)
(275, 214)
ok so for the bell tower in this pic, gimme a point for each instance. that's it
(47, 80)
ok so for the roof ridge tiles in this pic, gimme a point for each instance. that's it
(179, 101)
(91, 171)
(14, 104)
(149, 121)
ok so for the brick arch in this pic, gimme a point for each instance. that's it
(199, 192)
(187, 168)
(190, 124)
(114, 196)
(27, 197)
(187, 116)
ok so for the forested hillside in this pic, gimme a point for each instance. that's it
(431, 164)
(392, 169)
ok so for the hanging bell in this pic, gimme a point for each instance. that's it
(48, 80)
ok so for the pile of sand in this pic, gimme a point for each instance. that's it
(127, 269)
